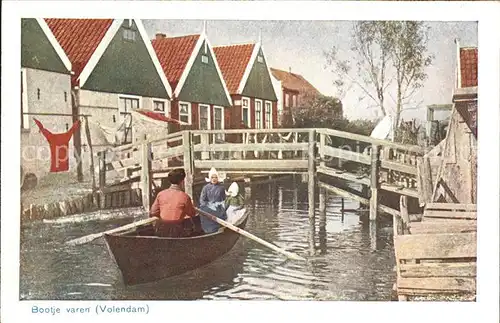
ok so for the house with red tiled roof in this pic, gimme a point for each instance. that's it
(45, 89)
(199, 94)
(294, 90)
(465, 93)
(115, 69)
(249, 82)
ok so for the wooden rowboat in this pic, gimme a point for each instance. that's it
(142, 257)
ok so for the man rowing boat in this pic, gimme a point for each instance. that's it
(173, 206)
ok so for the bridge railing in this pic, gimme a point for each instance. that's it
(393, 165)
(251, 150)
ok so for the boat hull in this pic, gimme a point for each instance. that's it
(143, 259)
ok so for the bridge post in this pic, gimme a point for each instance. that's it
(311, 172)
(322, 143)
(146, 175)
(188, 162)
(375, 166)
(205, 140)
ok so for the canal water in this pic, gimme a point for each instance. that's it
(344, 263)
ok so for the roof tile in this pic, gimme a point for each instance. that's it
(233, 61)
(468, 67)
(294, 82)
(173, 54)
(79, 38)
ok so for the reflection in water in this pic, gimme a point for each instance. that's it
(347, 260)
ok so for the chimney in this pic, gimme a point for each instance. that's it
(160, 36)
(290, 69)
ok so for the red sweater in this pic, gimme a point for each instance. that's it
(172, 205)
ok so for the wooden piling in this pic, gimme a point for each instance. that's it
(146, 175)
(375, 166)
(77, 137)
(373, 235)
(188, 162)
(102, 169)
(312, 237)
(311, 172)
(322, 201)
(91, 150)
(342, 208)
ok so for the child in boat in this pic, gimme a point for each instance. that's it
(234, 203)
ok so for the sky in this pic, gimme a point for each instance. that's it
(301, 46)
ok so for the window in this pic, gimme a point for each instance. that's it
(287, 100)
(269, 115)
(204, 117)
(258, 114)
(126, 105)
(245, 112)
(159, 106)
(204, 59)
(260, 59)
(129, 34)
(219, 122)
(185, 112)
(294, 101)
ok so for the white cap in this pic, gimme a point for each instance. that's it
(233, 189)
(212, 172)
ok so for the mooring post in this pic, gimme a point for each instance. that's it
(311, 172)
(375, 165)
(146, 175)
(188, 162)
(102, 169)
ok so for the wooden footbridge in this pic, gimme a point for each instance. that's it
(377, 164)
(435, 250)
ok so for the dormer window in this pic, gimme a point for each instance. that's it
(260, 59)
(204, 59)
(129, 34)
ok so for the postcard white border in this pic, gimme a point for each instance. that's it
(486, 307)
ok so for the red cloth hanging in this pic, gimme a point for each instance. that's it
(58, 142)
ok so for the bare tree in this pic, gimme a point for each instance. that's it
(386, 57)
(409, 58)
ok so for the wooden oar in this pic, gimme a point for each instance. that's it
(94, 236)
(249, 235)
